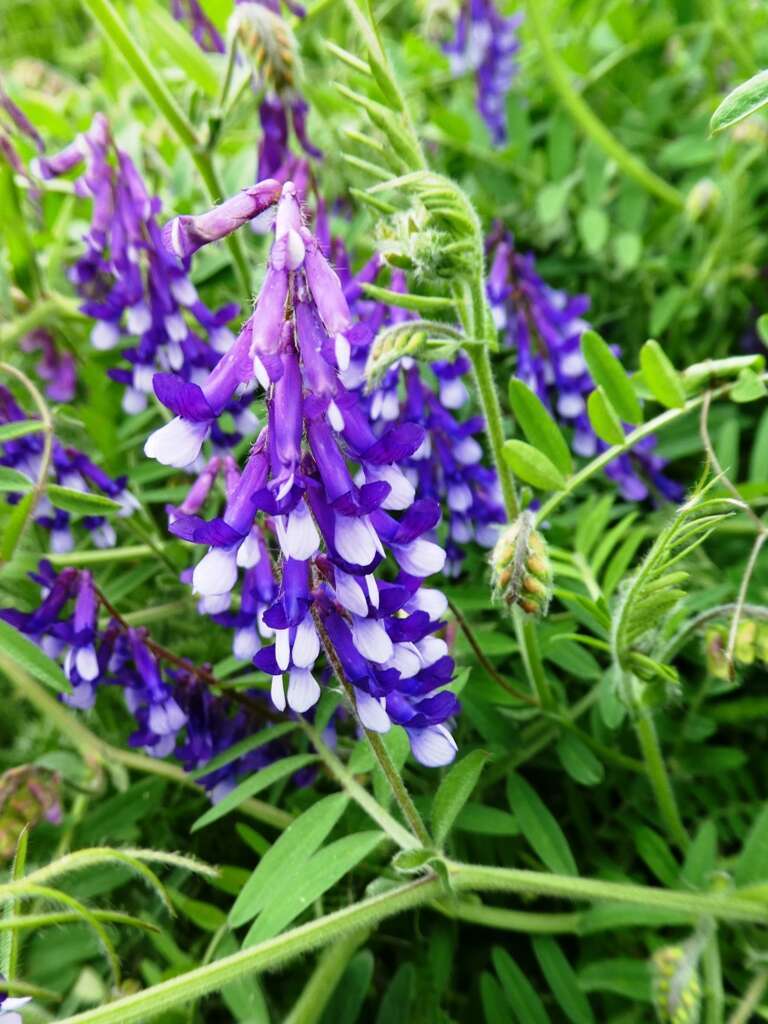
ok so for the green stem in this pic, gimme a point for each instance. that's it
(212, 977)
(114, 28)
(366, 914)
(714, 996)
(380, 752)
(651, 427)
(585, 117)
(659, 778)
(510, 920)
(484, 878)
(399, 791)
(530, 652)
(489, 401)
(743, 1013)
(401, 836)
(308, 1008)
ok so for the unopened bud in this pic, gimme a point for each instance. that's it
(704, 197)
(269, 43)
(521, 572)
(676, 983)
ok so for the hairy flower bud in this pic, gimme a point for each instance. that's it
(412, 241)
(521, 572)
(269, 42)
(676, 984)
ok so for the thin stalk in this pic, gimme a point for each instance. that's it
(530, 652)
(585, 117)
(752, 611)
(714, 996)
(399, 835)
(489, 401)
(308, 1008)
(651, 427)
(399, 791)
(380, 752)
(510, 920)
(485, 662)
(752, 997)
(485, 878)
(659, 779)
(114, 28)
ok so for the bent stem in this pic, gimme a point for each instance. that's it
(193, 984)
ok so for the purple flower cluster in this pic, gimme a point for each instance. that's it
(447, 467)
(15, 123)
(326, 485)
(544, 327)
(131, 284)
(485, 44)
(69, 468)
(174, 710)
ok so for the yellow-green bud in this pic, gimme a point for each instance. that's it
(704, 197)
(521, 572)
(676, 983)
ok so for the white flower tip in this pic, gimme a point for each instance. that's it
(215, 573)
(176, 444)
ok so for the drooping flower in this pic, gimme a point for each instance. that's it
(324, 483)
(544, 327)
(485, 44)
(175, 711)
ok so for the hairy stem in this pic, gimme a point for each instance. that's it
(659, 779)
(489, 402)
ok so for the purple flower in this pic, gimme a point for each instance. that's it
(134, 285)
(9, 1005)
(325, 484)
(485, 44)
(544, 326)
(204, 32)
(55, 367)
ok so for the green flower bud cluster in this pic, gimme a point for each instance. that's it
(676, 983)
(521, 572)
(412, 240)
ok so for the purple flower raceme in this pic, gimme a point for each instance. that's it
(485, 44)
(175, 711)
(69, 468)
(325, 485)
(134, 286)
(544, 327)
